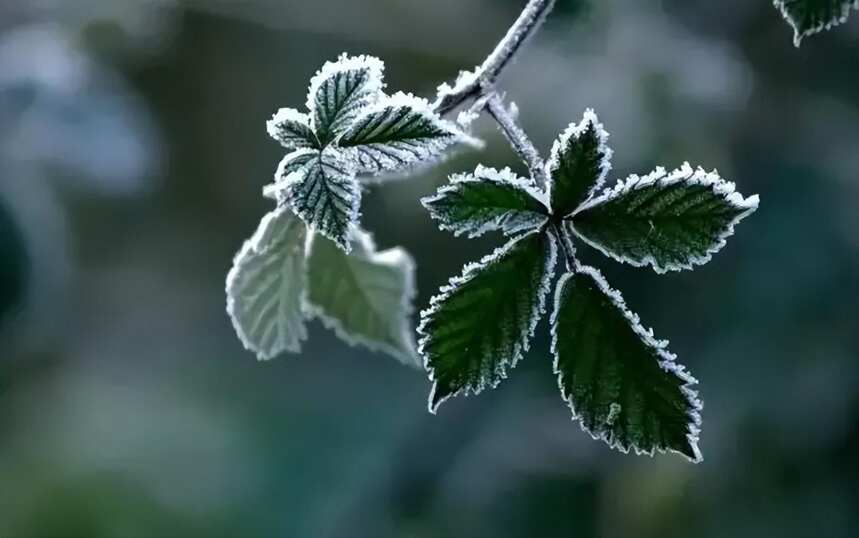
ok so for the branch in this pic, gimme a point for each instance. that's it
(517, 137)
(471, 85)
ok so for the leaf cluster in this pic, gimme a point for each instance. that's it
(621, 383)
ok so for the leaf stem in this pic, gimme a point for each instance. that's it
(567, 248)
(474, 84)
(517, 137)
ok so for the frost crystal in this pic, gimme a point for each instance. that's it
(396, 133)
(292, 129)
(266, 287)
(325, 194)
(340, 91)
(672, 221)
(809, 17)
(579, 163)
(621, 383)
(480, 325)
(488, 200)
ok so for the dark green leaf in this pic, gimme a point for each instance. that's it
(340, 90)
(671, 221)
(808, 17)
(366, 296)
(324, 193)
(621, 384)
(488, 200)
(578, 165)
(480, 325)
(292, 129)
(267, 284)
(397, 133)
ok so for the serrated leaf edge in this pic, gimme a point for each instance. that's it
(290, 115)
(353, 216)
(482, 174)
(468, 272)
(799, 34)
(345, 62)
(667, 361)
(575, 130)
(394, 257)
(719, 187)
(256, 244)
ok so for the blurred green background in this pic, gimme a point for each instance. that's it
(132, 155)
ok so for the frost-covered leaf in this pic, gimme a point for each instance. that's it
(266, 286)
(671, 221)
(398, 132)
(292, 129)
(324, 193)
(808, 17)
(340, 90)
(622, 385)
(479, 326)
(366, 296)
(578, 165)
(488, 200)
(293, 162)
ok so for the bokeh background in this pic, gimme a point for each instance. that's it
(132, 155)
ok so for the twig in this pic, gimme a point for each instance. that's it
(518, 139)
(479, 82)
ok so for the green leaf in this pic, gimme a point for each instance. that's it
(488, 200)
(622, 385)
(808, 17)
(480, 325)
(366, 296)
(322, 191)
(396, 133)
(578, 165)
(671, 221)
(340, 90)
(292, 129)
(266, 287)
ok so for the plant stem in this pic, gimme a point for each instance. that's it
(480, 82)
(517, 137)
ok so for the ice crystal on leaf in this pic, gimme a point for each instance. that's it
(671, 221)
(809, 17)
(579, 162)
(621, 383)
(396, 133)
(352, 128)
(480, 324)
(487, 200)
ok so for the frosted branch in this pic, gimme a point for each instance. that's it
(518, 139)
(471, 85)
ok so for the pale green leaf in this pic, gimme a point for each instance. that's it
(340, 90)
(322, 191)
(480, 325)
(366, 296)
(622, 385)
(396, 133)
(487, 200)
(292, 129)
(671, 221)
(808, 17)
(266, 287)
(578, 165)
